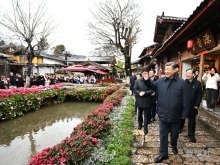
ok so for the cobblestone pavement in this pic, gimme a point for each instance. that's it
(205, 151)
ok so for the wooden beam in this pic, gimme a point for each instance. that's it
(201, 67)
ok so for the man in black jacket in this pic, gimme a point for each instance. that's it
(143, 91)
(153, 78)
(171, 107)
(132, 80)
(195, 97)
(138, 75)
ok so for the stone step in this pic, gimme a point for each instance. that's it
(210, 121)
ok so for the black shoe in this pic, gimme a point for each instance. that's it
(149, 121)
(175, 150)
(159, 159)
(193, 140)
(139, 127)
(145, 131)
(180, 131)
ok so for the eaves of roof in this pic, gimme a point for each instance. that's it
(60, 58)
(178, 32)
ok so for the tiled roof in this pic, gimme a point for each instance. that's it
(135, 62)
(201, 6)
(91, 58)
(173, 18)
(4, 55)
(97, 65)
(53, 57)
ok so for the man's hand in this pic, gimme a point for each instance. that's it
(153, 94)
(142, 93)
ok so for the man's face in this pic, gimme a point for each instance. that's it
(169, 71)
(189, 75)
(138, 76)
(145, 75)
(151, 73)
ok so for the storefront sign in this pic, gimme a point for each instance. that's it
(203, 41)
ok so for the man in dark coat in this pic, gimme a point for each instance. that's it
(132, 80)
(194, 88)
(171, 107)
(143, 91)
(153, 78)
(138, 75)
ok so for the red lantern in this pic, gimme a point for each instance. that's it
(190, 44)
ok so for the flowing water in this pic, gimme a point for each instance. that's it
(22, 137)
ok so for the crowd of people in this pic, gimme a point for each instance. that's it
(173, 100)
(17, 80)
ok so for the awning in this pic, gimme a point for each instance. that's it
(98, 71)
(81, 68)
(76, 68)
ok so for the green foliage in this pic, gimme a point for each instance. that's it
(59, 49)
(119, 66)
(121, 142)
(117, 147)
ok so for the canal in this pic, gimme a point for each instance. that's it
(24, 136)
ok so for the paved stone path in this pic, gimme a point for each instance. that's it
(205, 151)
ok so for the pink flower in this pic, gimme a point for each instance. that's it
(63, 160)
(95, 141)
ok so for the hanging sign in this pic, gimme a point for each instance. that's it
(203, 41)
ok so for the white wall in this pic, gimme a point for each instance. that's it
(43, 70)
(186, 65)
(50, 61)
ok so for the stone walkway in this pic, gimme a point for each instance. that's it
(205, 151)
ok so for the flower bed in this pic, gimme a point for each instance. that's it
(6, 93)
(21, 100)
(116, 148)
(84, 138)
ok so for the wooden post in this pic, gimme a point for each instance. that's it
(201, 67)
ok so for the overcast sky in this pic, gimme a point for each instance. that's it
(73, 16)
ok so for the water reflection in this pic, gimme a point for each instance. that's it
(24, 136)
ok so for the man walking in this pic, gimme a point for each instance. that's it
(138, 75)
(195, 97)
(171, 107)
(132, 80)
(143, 91)
(153, 78)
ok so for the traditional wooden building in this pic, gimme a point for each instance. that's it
(196, 42)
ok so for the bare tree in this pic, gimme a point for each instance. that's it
(116, 23)
(30, 26)
(108, 50)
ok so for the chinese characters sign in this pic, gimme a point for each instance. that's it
(203, 41)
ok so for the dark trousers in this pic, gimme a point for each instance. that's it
(182, 124)
(191, 125)
(211, 97)
(135, 107)
(165, 129)
(153, 110)
(140, 116)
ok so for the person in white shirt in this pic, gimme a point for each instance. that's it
(211, 78)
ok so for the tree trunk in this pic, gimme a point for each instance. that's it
(127, 65)
(29, 70)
